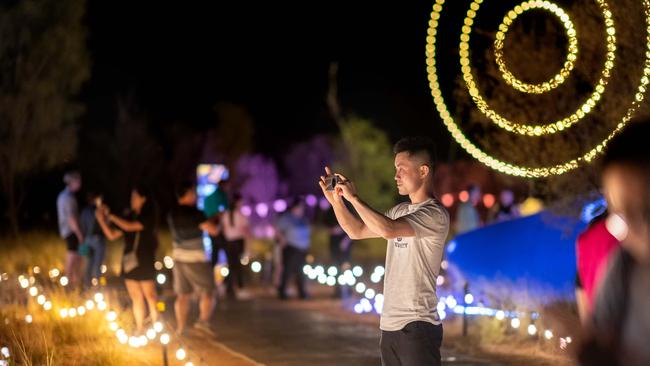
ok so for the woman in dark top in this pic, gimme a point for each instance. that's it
(139, 227)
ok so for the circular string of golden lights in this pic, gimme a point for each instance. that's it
(505, 167)
(536, 128)
(572, 48)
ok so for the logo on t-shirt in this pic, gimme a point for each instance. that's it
(400, 244)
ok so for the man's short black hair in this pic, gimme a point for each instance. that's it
(416, 145)
(630, 146)
(183, 187)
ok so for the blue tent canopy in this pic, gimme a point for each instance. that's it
(538, 250)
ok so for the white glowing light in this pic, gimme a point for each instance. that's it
(102, 306)
(161, 278)
(442, 314)
(361, 287)
(357, 271)
(358, 308)
(29, 319)
(331, 281)
(380, 270)
(369, 294)
(113, 326)
(123, 338)
(24, 283)
(164, 338)
(451, 302)
(256, 267)
(532, 329)
(158, 327)
(379, 298)
(367, 307)
(319, 269)
(189, 364)
(262, 209)
(515, 323)
(64, 281)
(36, 269)
(307, 269)
(500, 315)
(180, 354)
(54, 273)
(47, 305)
(143, 341)
(72, 312)
(469, 298)
(169, 262)
(151, 334)
(568, 339)
(134, 342)
(5, 352)
(81, 310)
(225, 271)
(440, 280)
(444, 264)
(103, 269)
(322, 278)
(33, 291)
(90, 305)
(99, 297)
(441, 306)
(111, 316)
(40, 299)
(342, 280)
(548, 334)
(332, 271)
(375, 278)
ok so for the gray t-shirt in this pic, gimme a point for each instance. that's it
(413, 264)
(621, 315)
(66, 207)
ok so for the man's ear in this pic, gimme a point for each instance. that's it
(424, 171)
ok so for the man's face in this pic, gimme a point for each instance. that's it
(408, 176)
(626, 192)
(75, 185)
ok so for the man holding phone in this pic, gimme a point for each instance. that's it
(415, 232)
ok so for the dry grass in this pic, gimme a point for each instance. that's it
(50, 340)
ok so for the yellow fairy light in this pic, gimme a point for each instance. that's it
(518, 170)
(572, 48)
(536, 128)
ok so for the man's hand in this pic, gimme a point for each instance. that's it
(331, 196)
(346, 188)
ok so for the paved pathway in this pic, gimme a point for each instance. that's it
(271, 332)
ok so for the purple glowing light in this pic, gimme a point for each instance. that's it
(311, 200)
(280, 205)
(246, 211)
(262, 209)
(323, 204)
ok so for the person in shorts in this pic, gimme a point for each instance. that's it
(192, 268)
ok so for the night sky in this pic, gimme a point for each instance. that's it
(180, 58)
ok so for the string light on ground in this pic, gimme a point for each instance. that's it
(256, 267)
(500, 315)
(158, 327)
(532, 329)
(63, 281)
(469, 298)
(548, 334)
(161, 278)
(508, 168)
(47, 306)
(180, 354)
(515, 323)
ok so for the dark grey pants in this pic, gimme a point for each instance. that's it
(417, 344)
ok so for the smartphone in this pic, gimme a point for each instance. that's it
(331, 181)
